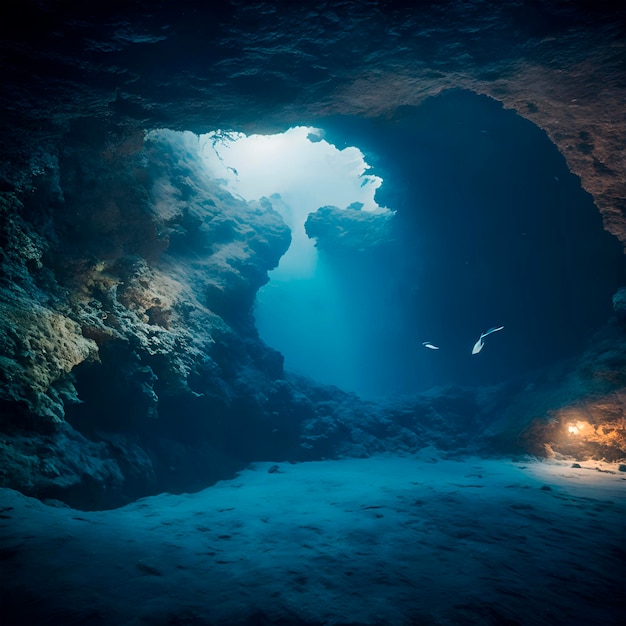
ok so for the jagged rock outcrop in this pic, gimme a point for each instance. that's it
(139, 252)
(350, 229)
(131, 277)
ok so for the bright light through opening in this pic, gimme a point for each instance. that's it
(304, 170)
(302, 312)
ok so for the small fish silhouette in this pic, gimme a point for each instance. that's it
(478, 346)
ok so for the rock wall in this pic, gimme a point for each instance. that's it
(129, 275)
(576, 409)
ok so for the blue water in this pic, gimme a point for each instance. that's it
(491, 229)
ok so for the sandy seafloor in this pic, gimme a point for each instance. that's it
(385, 540)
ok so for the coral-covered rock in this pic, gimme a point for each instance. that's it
(128, 285)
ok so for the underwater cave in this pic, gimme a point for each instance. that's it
(480, 223)
(312, 315)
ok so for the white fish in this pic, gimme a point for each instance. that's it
(478, 346)
(429, 345)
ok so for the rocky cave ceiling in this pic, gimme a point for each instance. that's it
(95, 287)
(260, 66)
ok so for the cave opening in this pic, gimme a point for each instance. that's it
(305, 311)
(486, 227)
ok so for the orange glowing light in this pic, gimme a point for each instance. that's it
(575, 427)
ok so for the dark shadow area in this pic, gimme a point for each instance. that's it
(491, 229)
